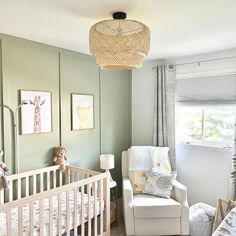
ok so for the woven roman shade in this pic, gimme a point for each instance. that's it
(218, 89)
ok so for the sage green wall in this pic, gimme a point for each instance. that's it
(80, 76)
(115, 116)
(30, 68)
(34, 66)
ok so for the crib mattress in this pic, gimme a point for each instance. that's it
(64, 216)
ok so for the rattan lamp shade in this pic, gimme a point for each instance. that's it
(119, 44)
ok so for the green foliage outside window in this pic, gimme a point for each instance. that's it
(209, 124)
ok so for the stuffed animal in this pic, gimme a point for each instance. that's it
(60, 157)
(3, 181)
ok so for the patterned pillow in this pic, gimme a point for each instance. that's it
(138, 180)
(160, 184)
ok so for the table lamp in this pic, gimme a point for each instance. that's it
(107, 163)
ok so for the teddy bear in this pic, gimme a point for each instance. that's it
(3, 181)
(60, 157)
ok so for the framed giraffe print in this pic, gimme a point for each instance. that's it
(82, 111)
(36, 112)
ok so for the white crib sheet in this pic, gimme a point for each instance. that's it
(14, 215)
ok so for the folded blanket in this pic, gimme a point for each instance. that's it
(140, 158)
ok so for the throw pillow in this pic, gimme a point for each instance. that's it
(138, 180)
(160, 184)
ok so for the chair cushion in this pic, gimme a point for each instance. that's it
(146, 206)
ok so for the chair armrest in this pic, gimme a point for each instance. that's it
(180, 193)
(128, 206)
(128, 192)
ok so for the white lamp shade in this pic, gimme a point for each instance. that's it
(107, 161)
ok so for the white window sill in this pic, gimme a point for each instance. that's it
(204, 146)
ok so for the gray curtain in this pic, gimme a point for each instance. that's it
(164, 110)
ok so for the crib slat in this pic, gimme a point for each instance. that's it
(75, 177)
(72, 176)
(89, 209)
(59, 214)
(19, 188)
(1, 196)
(60, 178)
(82, 211)
(95, 208)
(41, 219)
(41, 182)
(27, 186)
(10, 191)
(31, 218)
(48, 180)
(20, 221)
(81, 176)
(68, 213)
(54, 179)
(75, 212)
(34, 184)
(50, 216)
(101, 205)
(67, 175)
(8, 216)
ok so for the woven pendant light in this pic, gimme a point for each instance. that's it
(119, 44)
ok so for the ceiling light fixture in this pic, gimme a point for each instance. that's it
(119, 44)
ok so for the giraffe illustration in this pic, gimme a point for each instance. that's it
(37, 114)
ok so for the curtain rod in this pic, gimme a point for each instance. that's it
(198, 62)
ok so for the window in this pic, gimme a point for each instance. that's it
(211, 125)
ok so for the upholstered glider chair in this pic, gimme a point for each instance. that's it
(146, 214)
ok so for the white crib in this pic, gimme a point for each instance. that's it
(48, 202)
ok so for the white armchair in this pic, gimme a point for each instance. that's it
(151, 215)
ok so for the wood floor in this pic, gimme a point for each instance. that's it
(119, 229)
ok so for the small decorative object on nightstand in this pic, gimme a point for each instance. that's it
(107, 163)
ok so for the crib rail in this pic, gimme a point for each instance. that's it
(31, 182)
(92, 191)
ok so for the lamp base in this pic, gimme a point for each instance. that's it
(112, 182)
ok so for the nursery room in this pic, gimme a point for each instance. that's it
(117, 118)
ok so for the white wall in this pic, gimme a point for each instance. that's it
(205, 171)
(143, 103)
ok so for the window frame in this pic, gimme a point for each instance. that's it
(203, 142)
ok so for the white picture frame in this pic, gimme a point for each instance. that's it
(82, 111)
(36, 114)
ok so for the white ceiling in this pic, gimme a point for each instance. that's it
(178, 27)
